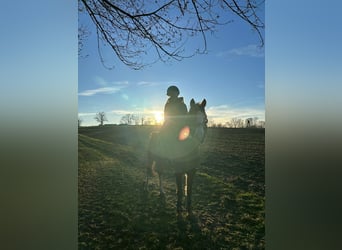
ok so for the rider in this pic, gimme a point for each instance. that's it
(175, 112)
(175, 108)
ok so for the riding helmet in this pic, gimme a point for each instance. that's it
(172, 91)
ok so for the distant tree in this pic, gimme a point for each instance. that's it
(240, 123)
(79, 122)
(236, 122)
(214, 124)
(100, 117)
(128, 119)
(136, 119)
(261, 124)
(211, 124)
(255, 121)
(133, 29)
(148, 120)
(228, 124)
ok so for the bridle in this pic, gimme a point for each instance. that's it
(198, 124)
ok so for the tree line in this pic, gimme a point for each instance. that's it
(133, 119)
(127, 119)
(252, 122)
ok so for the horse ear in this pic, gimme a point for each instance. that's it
(204, 102)
(192, 102)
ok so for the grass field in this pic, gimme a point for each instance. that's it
(116, 213)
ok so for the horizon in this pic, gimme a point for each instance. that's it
(153, 121)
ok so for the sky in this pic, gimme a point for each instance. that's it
(231, 77)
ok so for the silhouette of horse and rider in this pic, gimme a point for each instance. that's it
(176, 146)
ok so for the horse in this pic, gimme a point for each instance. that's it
(177, 149)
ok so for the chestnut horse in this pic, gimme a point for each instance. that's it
(177, 150)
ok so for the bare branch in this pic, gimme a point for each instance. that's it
(161, 29)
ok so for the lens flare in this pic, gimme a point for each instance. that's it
(184, 133)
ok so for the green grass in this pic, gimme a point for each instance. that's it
(116, 213)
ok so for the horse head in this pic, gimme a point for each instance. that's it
(198, 119)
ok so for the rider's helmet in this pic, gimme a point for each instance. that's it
(172, 91)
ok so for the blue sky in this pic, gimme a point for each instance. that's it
(230, 77)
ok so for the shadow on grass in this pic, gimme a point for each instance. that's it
(160, 227)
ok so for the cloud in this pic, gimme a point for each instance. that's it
(104, 90)
(144, 83)
(251, 50)
(86, 114)
(108, 88)
(121, 112)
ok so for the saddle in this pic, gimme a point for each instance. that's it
(174, 144)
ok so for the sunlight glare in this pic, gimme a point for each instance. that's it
(159, 117)
(184, 133)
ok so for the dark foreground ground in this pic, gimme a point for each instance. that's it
(116, 213)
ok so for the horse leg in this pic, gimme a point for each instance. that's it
(149, 168)
(162, 193)
(146, 181)
(190, 178)
(185, 177)
(179, 181)
(148, 175)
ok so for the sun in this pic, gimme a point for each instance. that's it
(159, 117)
